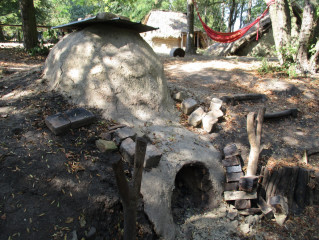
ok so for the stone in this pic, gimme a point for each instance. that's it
(196, 117)
(210, 119)
(189, 105)
(80, 117)
(245, 228)
(58, 123)
(232, 214)
(122, 133)
(105, 146)
(152, 157)
(179, 96)
(216, 104)
(127, 149)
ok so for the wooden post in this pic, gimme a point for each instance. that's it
(129, 191)
(254, 137)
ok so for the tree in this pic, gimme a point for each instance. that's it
(281, 14)
(29, 26)
(190, 47)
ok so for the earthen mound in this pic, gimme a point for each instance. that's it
(110, 68)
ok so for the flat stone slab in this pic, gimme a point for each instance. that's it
(189, 105)
(79, 117)
(122, 133)
(58, 123)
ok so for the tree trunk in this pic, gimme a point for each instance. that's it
(1, 35)
(241, 15)
(29, 25)
(249, 11)
(307, 26)
(190, 46)
(221, 24)
(314, 60)
(281, 25)
(231, 13)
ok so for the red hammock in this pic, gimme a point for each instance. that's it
(231, 36)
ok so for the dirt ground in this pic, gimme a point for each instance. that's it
(55, 186)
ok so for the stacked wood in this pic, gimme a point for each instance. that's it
(289, 182)
(234, 173)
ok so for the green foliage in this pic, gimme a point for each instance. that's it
(39, 50)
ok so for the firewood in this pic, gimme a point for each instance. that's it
(239, 195)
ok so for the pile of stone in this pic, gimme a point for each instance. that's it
(123, 138)
(197, 116)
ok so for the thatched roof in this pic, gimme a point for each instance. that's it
(170, 24)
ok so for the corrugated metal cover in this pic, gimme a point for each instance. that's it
(118, 22)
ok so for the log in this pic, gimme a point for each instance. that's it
(130, 191)
(286, 113)
(248, 184)
(254, 137)
(239, 195)
(243, 97)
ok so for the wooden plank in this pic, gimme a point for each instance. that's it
(276, 183)
(264, 183)
(301, 187)
(265, 208)
(231, 161)
(248, 184)
(233, 169)
(232, 186)
(271, 184)
(242, 204)
(233, 177)
(238, 195)
(282, 187)
(291, 187)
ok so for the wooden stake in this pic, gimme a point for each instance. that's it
(129, 191)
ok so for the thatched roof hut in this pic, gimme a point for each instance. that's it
(172, 31)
